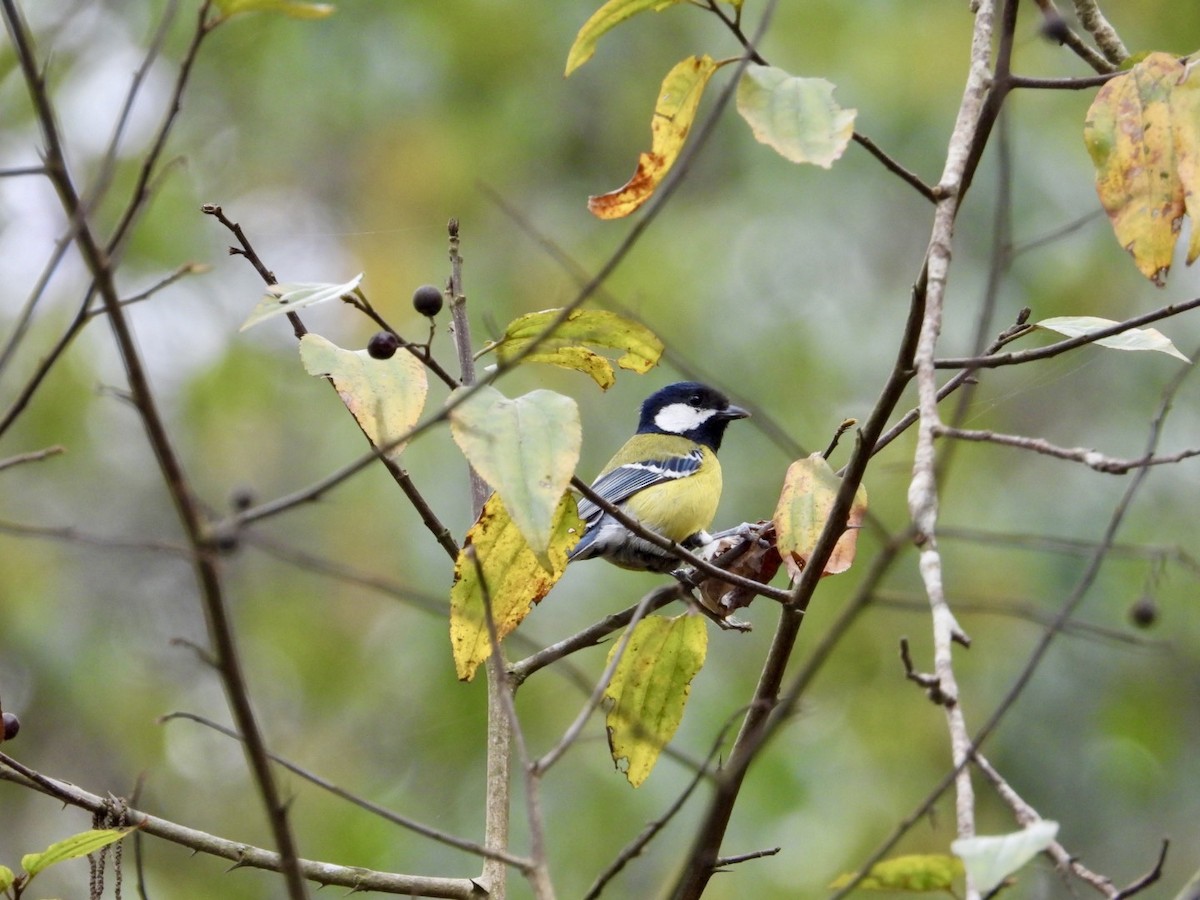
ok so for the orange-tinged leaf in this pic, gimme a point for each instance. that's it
(674, 113)
(1142, 132)
(385, 396)
(917, 872)
(607, 17)
(809, 489)
(512, 579)
(650, 687)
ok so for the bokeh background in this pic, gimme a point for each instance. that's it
(345, 145)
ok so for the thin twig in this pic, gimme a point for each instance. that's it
(1105, 36)
(100, 261)
(240, 853)
(1090, 458)
(993, 361)
(635, 847)
(31, 456)
(395, 818)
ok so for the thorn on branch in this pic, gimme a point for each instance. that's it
(723, 861)
(931, 683)
(1149, 878)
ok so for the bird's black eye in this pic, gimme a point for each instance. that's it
(696, 400)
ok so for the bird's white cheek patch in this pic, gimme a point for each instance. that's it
(679, 418)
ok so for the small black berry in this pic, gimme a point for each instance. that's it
(241, 499)
(383, 345)
(427, 300)
(1144, 612)
(11, 726)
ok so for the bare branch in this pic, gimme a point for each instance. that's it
(241, 853)
(1105, 36)
(388, 815)
(31, 456)
(1091, 458)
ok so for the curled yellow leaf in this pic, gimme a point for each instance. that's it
(678, 99)
(568, 347)
(607, 17)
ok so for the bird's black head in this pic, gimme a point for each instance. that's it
(691, 410)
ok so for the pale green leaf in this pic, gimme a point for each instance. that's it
(797, 117)
(526, 449)
(809, 489)
(569, 346)
(920, 873)
(990, 860)
(678, 99)
(650, 687)
(6, 878)
(297, 9)
(1131, 339)
(285, 298)
(513, 577)
(71, 848)
(385, 396)
(607, 17)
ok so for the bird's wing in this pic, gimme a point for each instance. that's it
(624, 481)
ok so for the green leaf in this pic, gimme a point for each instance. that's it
(797, 117)
(607, 17)
(990, 860)
(809, 489)
(526, 449)
(71, 848)
(514, 578)
(640, 348)
(1132, 339)
(385, 396)
(650, 687)
(678, 99)
(1143, 134)
(297, 9)
(7, 878)
(285, 298)
(917, 872)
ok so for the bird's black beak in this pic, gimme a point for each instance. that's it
(734, 412)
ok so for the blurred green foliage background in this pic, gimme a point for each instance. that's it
(345, 145)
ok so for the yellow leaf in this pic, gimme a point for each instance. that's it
(1143, 134)
(513, 577)
(607, 17)
(922, 873)
(526, 449)
(674, 113)
(1185, 122)
(809, 489)
(640, 347)
(385, 396)
(650, 688)
(297, 9)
